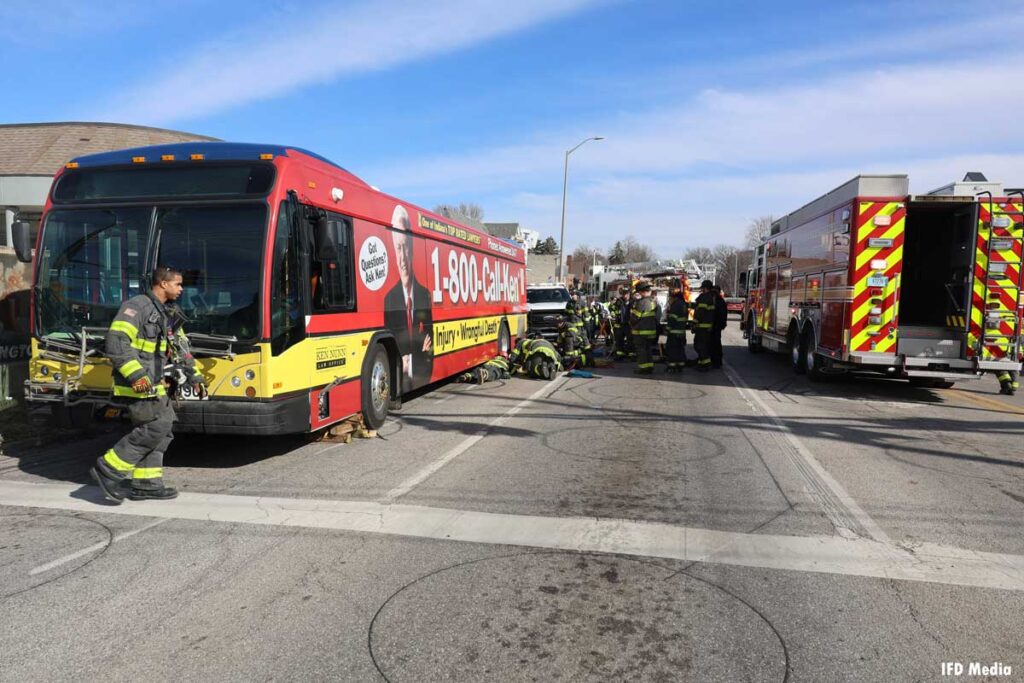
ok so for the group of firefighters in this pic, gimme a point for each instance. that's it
(632, 326)
(636, 327)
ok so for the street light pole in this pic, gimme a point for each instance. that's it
(565, 186)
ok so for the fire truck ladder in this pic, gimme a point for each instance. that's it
(993, 318)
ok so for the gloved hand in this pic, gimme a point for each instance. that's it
(198, 386)
(143, 385)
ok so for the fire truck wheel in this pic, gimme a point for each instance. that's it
(814, 364)
(753, 341)
(376, 387)
(797, 353)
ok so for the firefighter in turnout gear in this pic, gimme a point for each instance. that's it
(1008, 383)
(703, 324)
(493, 370)
(570, 344)
(137, 344)
(536, 357)
(678, 314)
(644, 326)
(721, 319)
(616, 308)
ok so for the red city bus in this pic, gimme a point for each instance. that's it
(309, 296)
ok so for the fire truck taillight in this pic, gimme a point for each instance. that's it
(879, 264)
(1001, 245)
(1001, 221)
(875, 320)
(997, 268)
(882, 220)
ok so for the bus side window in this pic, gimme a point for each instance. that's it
(332, 282)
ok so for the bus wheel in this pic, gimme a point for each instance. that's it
(504, 339)
(376, 388)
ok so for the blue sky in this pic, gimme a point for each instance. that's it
(714, 112)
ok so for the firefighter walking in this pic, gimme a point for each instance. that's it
(703, 323)
(137, 345)
(678, 314)
(644, 325)
(1008, 383)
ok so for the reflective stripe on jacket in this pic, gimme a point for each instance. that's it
(136, 344)
(678, 314)
(704, 312)
(644, 317)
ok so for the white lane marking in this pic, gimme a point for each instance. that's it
(421, 476)
(93, 548)
(833, 499)
(927, 562)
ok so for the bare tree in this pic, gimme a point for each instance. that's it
(730, 262)
(758, 229)
(466, 212)
(588, 255)
(699, 254)
(633, 251)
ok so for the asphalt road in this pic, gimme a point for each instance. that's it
(745, 524)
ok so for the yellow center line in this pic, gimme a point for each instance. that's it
(989, 402)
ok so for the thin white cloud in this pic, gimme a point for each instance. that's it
(695, 173)
(267, 61)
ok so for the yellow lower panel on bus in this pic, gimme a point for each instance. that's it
(462, 334)
(317, 361)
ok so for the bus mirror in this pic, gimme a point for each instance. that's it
(22, 234)
(743, 282)
(326, 245)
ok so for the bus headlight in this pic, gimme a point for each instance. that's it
(235, 382)
(250, 375)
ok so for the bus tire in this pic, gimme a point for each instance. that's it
(376, 387)
(504, 339)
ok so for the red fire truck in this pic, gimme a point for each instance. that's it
(871, 278)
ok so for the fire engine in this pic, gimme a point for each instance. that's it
(871, 278)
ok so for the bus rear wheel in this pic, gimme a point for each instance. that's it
(376, 387)
(504, 339)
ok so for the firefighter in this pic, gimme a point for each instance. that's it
(1008, 383)
(644, 326)
(570, 345)
(497, 368)
(137, 344)
(721, 318)
(537, 358)
(618, 328)
(678, 314)
(703, 324)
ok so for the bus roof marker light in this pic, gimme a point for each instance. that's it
(138, 160)
(71, 164)
(266, 157)
(197, 157)
(311, 185)
(166, 157)
(337, 194)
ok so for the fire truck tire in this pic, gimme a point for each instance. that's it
(753, 341)
(815, 365)
(376, 387)
(72, 417)
(796, 351)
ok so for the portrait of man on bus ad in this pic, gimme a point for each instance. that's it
(407, 308)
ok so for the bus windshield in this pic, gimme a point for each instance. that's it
(92, 260)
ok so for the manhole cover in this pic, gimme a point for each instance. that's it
(560, 616)
(29, 541)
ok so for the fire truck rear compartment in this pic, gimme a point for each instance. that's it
(934, 284)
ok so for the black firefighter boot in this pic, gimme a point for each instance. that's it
(113, 489)
(162, 493)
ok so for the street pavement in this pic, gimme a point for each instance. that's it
(745, 524)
